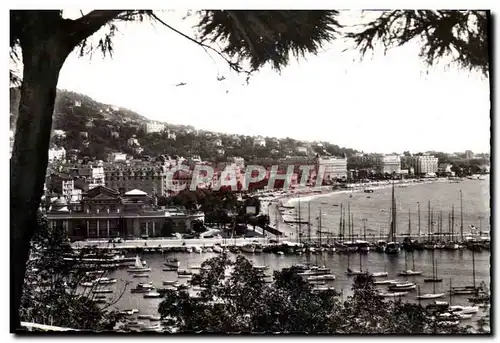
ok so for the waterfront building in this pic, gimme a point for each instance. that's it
(389, 164)
(334, 168)
(365, 161)
(425, 165)
(104, 212)
(153, 126)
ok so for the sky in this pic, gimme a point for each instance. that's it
(382, 103)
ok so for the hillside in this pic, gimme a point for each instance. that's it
(96, 129)
(68, 109)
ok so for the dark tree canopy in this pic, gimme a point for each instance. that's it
(235, 298)
(460, 36)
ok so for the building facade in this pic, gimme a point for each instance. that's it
(92, 174)
(104, 212)
(389, 164)
(335, 168)
(425, 165)
(57, 154)
(151, 179)
(151, 127)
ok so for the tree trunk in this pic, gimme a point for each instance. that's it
(43, 59)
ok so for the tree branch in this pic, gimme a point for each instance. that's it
(90, 23)
(233, 65)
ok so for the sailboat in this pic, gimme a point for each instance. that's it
(434, 272)
(350, 245)
(429, 245)
(381, 274)
(451, 245)
(340, 247)
(138, 266)
(409, 272)
(434, 279)
(468, 289)
(351, 272)
(392, 247)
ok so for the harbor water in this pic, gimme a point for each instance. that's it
(453, 266)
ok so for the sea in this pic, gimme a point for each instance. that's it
(454, 267)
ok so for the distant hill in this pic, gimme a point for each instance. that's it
(79, 108)
(96, 129)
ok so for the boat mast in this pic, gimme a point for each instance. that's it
(473, 265)
(277, 221)
(320, 227)
(352, 227)
(429, 221)
(451, 293)
(441, 226)
(450, 230)
(299, 227)
(409, 224)
(406, 259)
(349, 220)
(453, 221)
(360, 266)
(309, 222)
(432, 224)
(418, 209)
(364, 229)
(434, 275)
(393, 216)
(340, 222)
(343, 227)
(461, 217)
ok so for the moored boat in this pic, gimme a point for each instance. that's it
(380, 274)
(102, 291)
(105, 281)
(430, 296)
(329, 277)
(139, 266)
(385, 282)
(380, 246)
(217, 249)
(392, 248)
(184, 272)
(141, 275)
(152, 294)
(392, 295)
(248, 248)
(172, 262)
(406, 286)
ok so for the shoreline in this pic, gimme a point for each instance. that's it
(354, 188)
(275, 206)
